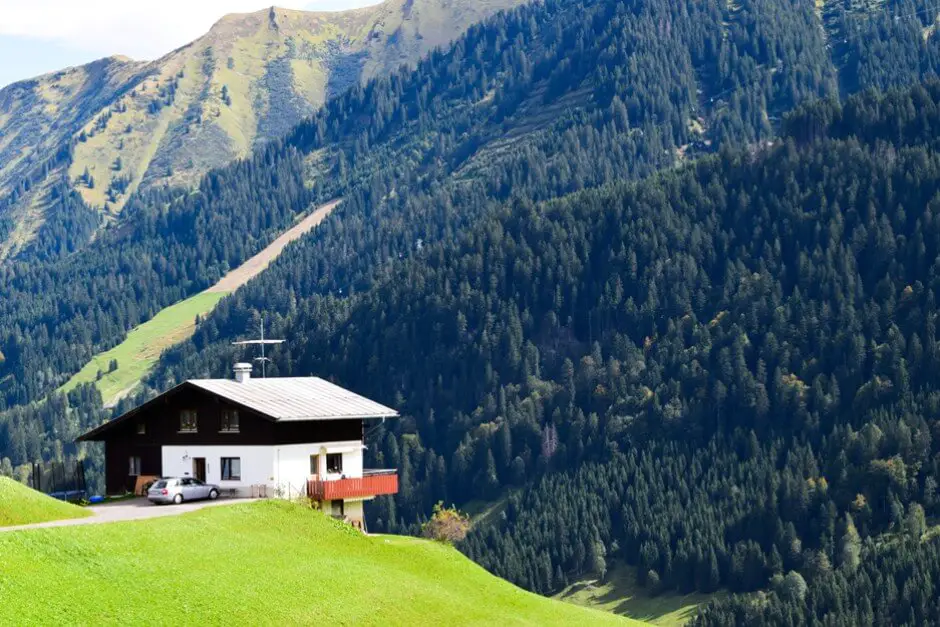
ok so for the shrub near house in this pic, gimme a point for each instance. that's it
(446, 525)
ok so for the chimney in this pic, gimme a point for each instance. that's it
(242, 372)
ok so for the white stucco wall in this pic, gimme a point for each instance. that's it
(353, 510)
(292, 461)
(283, 468)
(257, 464)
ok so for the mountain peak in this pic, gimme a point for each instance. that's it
(274, 16)
(248, 80)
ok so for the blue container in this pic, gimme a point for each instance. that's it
(96, 499)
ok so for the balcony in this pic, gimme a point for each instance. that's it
(372, 483)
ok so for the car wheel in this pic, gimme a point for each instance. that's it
(213, 495)
(178, 499)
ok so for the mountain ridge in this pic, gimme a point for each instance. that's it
(110, 127)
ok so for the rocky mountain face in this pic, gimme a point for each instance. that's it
(113, 126)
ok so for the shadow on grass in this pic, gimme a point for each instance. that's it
(621, 593)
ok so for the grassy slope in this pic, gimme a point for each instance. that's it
(242, 53)
(20, 505)
(622, 594)
(139, 352)
(27, 217)
(268, 562)
(300, 56)
(42, 113)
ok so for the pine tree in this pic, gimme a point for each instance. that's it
(598, 560)
(915, 523)
(850, 546)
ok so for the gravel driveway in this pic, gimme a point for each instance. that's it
(133, 509)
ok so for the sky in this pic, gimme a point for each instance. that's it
(39, 36)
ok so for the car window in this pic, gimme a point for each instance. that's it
(197, 482)
(160, 485)
(186, 482)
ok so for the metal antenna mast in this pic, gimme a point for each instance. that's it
(262, 342)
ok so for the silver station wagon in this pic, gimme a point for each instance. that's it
(176, 490)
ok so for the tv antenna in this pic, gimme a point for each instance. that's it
(262, 343)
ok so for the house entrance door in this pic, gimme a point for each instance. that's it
(199, 468)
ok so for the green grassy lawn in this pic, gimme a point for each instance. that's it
(20, 505)
(622, 594)
(268, 562)
(137, 354)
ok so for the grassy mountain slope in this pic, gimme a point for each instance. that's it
(250, 79)
(137, 354)
(142, 347)
(37, 115)
(20, 505)
(38, 118)
(620, 592)
(304, 568)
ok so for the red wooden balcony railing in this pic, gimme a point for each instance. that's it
(372, 483)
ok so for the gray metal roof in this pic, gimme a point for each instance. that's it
(296, 398)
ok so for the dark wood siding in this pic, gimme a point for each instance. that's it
(118, 453)
(322, 431)
(161, 420)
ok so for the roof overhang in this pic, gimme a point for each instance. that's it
(95, 434)
(92, 436)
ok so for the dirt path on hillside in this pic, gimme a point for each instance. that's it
(123, 511)
(257, 264)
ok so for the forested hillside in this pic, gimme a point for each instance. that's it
(548, 99)
(895, 583)
(720, 374)
(776, 403)
(741, 350)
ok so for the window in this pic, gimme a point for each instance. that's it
(141, 428)
(231, 469)
(314, 464)
(337, 508)
(134, 466)
(188, 421)
(229, 421)
(334, 463)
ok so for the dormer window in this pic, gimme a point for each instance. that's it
(229, 423)
(188, 423)
(141, 428)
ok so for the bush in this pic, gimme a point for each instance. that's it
(446, 525)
